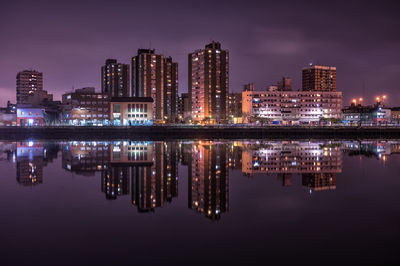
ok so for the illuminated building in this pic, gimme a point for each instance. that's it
(156, 76)
(29, 82)
(291, 107)
(395, 115)
(131, 111)
(367, 115)
(170, 103)
(208, 84)
(115, 79)
(209, 179)
(86, 107)
(30, 116)
(235, 107)
(319, 78)
(8, 115)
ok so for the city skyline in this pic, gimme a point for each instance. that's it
(262, 48)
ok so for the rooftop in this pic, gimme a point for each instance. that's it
(132, 99)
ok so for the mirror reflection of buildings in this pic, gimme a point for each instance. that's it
(148, 171)
(30, 158)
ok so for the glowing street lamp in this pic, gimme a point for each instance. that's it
(354, 101)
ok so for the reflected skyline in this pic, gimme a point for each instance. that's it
(147, 172)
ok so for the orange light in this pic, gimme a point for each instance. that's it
(354, 101)
(361, 99)
(384, 96)
(378, 99)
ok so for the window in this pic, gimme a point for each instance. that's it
(116, 108)
(145, 108)
(129, 107)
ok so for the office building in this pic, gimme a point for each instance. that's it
(131, 111)
(86, 107)
(115, 79)
(319, 78)
(208, 84)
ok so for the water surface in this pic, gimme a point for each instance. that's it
(200, 202)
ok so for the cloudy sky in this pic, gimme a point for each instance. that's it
(69, 40)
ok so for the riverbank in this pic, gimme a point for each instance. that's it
(196, 132)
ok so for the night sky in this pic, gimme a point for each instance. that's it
(69, 40)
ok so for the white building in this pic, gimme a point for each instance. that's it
(291, 107)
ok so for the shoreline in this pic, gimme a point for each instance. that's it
(195, 132)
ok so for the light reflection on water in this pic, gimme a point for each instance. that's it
(240, 183)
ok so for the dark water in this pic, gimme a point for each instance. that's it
(200, 202)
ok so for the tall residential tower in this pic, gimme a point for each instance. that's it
(115, 79)
(208, 83)
(28, 83)
(319, 78)
(156, 76)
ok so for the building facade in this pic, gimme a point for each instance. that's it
(170, 103)
(30, 116)
(235, 107)
(395, 115)
(156, 76)
(291, 107)
(131, 111)
(183, 106)
(367, 115)
(115, 79)
(30, 88)
(319, 78)
(85, 107)
(208, 83)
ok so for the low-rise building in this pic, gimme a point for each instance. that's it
(395, 115)
(366, 115)
(131, 111)
(291, 107)
(86, 107)
(30, 116)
